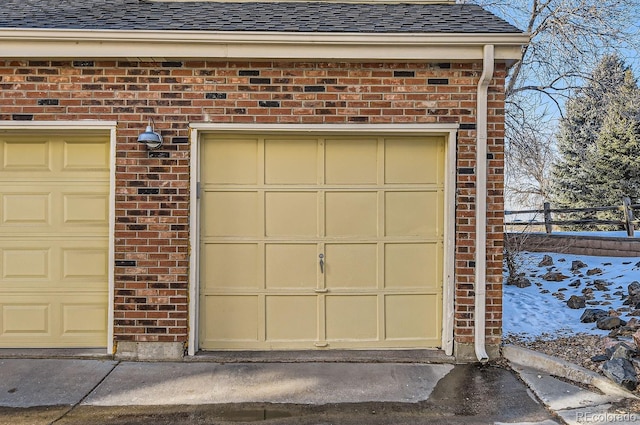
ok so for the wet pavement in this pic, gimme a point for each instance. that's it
(140, 393)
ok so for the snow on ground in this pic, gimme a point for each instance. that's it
(531, 313)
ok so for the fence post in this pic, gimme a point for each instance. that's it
(547, 217)
(628, 216)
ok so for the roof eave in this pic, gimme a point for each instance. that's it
(169, 45)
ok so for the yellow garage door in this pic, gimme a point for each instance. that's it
(327, 242)
(53, 240)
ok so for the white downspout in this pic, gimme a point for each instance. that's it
(481, 205)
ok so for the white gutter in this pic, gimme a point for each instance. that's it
(481, 205)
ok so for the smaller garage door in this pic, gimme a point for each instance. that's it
(54, 195)
(321, 242)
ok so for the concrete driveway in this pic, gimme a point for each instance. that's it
(41, 391)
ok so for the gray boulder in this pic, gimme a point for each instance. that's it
(591, 315)
(608, 323)
(623, 351)
(634, 294)
(622, 372)
(592, 272)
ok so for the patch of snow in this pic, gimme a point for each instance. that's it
(530, 313)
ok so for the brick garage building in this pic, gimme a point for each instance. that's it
(317, 185)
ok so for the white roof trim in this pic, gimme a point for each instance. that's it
(56, 125)
(164, 45)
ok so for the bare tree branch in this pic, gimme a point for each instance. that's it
(568, 38)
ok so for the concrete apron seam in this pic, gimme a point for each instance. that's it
(79, 402)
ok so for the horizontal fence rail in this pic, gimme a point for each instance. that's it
(627, 208)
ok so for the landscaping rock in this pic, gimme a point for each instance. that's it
(608, 323)
(554, 277)
(577, 265)
(623, 351)
(636, 339)
(600, 358)
(519, 281)
(576, 302)
(592, 272)
(600, 285)
(546, 261)
(591, 315)
(634, 293)
(622, 372)
(576, 283)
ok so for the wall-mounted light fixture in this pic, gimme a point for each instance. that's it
(152, 139)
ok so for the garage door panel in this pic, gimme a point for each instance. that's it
(231, 214)
(231, 265)
(412, 213)
(412, 161)
(352, 317)
(235, 316)
(53, 320)
(26, 208)
(86, 154)
(291, 318)
(25, 318)
(351, 161)
(54, 264)
(26, 263)
(25, 154)
(337, 244)
(350, 266)
(54, 202)
(65, 207)
(85, 209)
(84, 318)
(291, 266)
(291, 214)
(412, 265)
(291, 161)
(230, 161)
(352, 214)
(85, 264)
(412, 317)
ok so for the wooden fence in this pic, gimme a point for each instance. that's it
(628, 222)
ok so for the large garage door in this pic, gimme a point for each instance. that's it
(330, 242)
(53, 240)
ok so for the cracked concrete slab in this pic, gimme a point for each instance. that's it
(560, 395)
(303, 383)
(49, 382)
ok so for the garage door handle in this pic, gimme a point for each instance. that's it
(321, 263)
(321, 290)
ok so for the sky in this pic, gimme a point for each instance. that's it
(531, 313)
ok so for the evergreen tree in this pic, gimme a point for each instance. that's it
(573, 174)
(616, 152)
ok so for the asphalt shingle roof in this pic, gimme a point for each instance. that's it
(254, 16)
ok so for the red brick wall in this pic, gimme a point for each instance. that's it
(152, 188)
